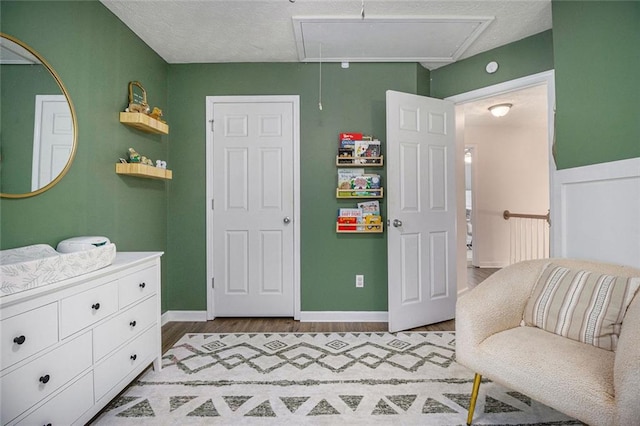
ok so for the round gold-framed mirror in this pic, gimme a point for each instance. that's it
(39, 128)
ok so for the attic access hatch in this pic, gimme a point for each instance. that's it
(386, 39)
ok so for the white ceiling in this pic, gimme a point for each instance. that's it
(212, 31)
(216, 31)
(529, 108)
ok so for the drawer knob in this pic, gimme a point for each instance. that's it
(134, 357)
(132, 323)
(95, 306)
(44, 379)
(19, 340)
(142, 285)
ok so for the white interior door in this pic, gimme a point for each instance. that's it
(253, 208)
(421, 210)
(52, 139)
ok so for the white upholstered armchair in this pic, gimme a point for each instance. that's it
(594, 385)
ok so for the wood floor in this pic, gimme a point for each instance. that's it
(173, 331)
(476, 275)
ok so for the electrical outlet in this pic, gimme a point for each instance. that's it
(359, 281)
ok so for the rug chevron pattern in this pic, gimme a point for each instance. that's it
(318, 379)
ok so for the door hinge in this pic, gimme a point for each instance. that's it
(213, 282)
(212, 125)
(212, 204)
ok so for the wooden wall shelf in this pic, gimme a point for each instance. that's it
(359, 193)
(360, 228)
(143, 171)
(144, 122)
(356, 161)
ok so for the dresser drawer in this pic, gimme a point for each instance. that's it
(66, 407)
(137, 286)
(83, 309)
(135, 354)
(123, 327)
(27, 333)
(24, 387)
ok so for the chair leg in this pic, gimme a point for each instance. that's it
(474, 397)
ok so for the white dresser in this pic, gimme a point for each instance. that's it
(68, 348)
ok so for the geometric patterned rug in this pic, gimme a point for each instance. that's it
(406, 378)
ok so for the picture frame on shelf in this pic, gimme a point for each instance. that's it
(137, 98)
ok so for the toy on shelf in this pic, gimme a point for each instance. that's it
(134, 157)
(157, 114)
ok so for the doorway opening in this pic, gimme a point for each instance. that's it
(511, 165)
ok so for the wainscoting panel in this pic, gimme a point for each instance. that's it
(596, 212)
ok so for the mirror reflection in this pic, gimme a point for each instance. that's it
(38, 125)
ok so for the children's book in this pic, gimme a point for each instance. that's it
(373, 223)
(349, 216)
(369, 208)
(344, 221)
(364, 149)
(346, 177)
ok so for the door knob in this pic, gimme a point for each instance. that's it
(397, 222)
(286, 220)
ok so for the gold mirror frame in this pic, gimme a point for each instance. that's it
(74, 147)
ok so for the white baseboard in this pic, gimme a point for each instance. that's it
(343, 316)
(493, 264)
(463, 291)
(186, 316)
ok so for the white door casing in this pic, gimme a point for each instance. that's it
(421, 210)
(253, 206)
(52, 139)
(547, 78)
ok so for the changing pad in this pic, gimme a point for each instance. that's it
(33, 266)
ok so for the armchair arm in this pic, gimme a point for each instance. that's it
(626, 370)
(495, 305)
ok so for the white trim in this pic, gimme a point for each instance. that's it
(494, 264)
(209, 103)
(184, 316)
(548, 78)
(343, 316)
(607, 230)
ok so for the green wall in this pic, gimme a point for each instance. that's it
(96, 56)
(353, 100)
(525, 57)
(597, 61)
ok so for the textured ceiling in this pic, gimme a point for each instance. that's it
(530, 108)
(199, 31)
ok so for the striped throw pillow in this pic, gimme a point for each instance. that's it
(580, 305)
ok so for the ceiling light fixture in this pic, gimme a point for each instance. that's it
(500, 110)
